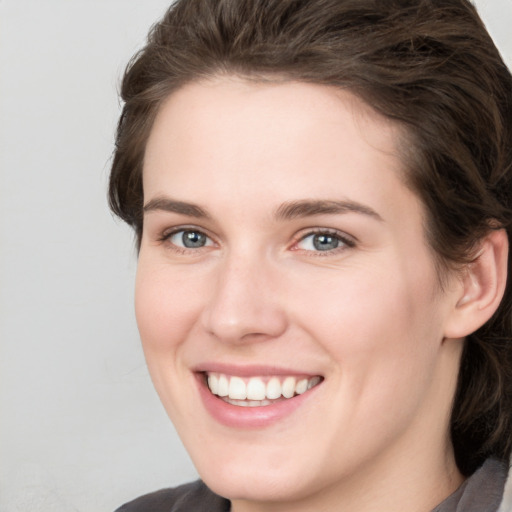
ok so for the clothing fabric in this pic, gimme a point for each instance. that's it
(193, 497)
(481, 492)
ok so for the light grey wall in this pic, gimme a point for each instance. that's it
(81, 428)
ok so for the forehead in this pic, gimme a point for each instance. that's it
(212, 125)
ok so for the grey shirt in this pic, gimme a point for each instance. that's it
(481, 492)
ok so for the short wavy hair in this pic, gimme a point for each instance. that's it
(428, 65)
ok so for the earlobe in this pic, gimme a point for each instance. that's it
(481, 287)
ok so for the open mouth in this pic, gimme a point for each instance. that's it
(258, 391)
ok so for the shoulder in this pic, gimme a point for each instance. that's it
(193, 496)
(481, 492)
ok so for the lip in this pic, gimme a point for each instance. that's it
(250, 370)
(249, 417)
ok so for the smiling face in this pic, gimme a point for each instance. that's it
(284, 262)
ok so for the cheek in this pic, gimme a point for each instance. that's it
(166, 307)
(384, 342)
(379, 328)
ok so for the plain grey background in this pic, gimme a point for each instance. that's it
(81, 428)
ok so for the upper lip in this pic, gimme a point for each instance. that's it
(253, 370)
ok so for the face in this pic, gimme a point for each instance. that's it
(287, 301)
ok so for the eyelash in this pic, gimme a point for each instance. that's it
(346, 241)
(167, 235)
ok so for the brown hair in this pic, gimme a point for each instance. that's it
(431, 66)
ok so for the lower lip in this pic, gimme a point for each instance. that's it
(249, 417)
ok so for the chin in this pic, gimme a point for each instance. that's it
(263, 484)
(261, 470)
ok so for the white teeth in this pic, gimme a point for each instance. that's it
(289, 387)
(313, 382)
(213, 383)
(237, 389)
(223, 386)
(302, 386)
(273, 388)
(255, 389)
(248, 403)
(253, 392)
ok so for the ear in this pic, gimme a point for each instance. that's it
(481, 287)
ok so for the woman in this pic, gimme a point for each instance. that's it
(321, 196)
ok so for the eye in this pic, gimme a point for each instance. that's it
(189, 239)
(323, 241)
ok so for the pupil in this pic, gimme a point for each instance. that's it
(192, 239)
(325, 242)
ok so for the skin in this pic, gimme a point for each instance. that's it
(368, 316)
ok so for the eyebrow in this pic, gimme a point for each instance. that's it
(171, 205)
(309, 207)
(287, 211)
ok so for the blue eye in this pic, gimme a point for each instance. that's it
(322, 242)
(190, 239)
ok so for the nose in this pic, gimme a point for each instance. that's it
(243, 304)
